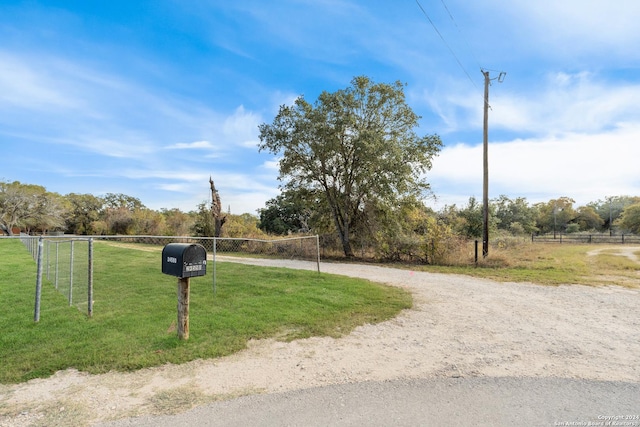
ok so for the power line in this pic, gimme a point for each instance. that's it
(485, 136)
(447, 44)
(461, 34)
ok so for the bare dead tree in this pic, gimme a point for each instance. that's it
(216, 210)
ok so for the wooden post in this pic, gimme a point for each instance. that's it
(485, 169)
(476, 252)
(183, 308)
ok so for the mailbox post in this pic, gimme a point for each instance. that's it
(184, 261)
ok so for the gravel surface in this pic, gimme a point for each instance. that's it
(478, 335)
(471, 401)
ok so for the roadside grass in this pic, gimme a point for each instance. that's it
(134, 317)
(554, 264)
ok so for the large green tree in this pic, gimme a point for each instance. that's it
(471, 225)
(630, 219)
(293, 212)
(610, 209)
(30, 207)
(588, 219)
(84, 211)
(177, 222)
(515, 215)
(356, 146)
(555, 215)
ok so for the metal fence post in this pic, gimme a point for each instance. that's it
(48, 258)
(71, 275)
(214, 266)
(90, 280)
(36, 314)
(57, 263)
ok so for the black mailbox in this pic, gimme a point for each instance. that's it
(184, 260)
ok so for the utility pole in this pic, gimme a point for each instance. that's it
(485, 162)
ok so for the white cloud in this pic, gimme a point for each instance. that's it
(578, 102)
(176, 175)
(552, 29)
(241, 128)
(592, 25)
(272, 165)
(180, 188)
(562, 102)
(27, 84)
(586, 167)
(190, 145)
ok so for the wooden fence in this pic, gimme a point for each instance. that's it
(586, 238)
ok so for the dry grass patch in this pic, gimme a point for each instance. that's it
(555, 264)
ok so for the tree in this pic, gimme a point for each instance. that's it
(611, 209)
(84, 211)
(630, 219)
(554, 215)
(203, 225)
(124, 214)
(355, 146)
(177, 222)
(216, 210)
(588, 219)
(119, 220)
(147, 221)
(21, 204)
(244, 225)
(289, 212)
(472, 219)
(48, 212)
(119, 200)
(515, 215)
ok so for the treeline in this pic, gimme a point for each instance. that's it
(411, 231)
(621, 214)
(407, 230)
(32, 209)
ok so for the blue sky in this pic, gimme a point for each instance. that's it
(150, 98)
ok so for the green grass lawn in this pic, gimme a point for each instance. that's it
(134, 313)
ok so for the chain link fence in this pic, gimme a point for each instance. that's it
(67, 261)
(302, 247)
(295, 248)
(68, 266)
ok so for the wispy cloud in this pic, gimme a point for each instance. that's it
(22, 86)
(561, 102)
(241, 128)
(579, 102)
(196, 145)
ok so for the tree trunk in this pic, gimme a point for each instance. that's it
(219, 222)
(342, 225)
(346, 246)
(216, 210)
